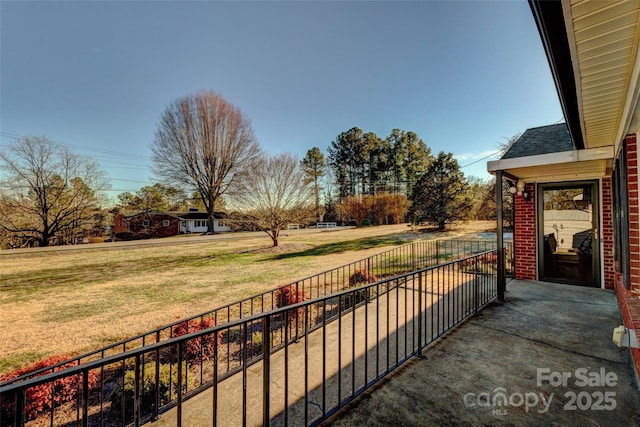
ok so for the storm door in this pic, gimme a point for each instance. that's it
(568, 239)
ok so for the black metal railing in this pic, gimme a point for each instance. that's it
(294, 365)
(403, 259)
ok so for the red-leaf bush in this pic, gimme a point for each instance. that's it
(38, 398)
(289, 296)
(360, 277)
(202, 347)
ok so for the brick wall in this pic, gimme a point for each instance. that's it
(634, 219)
(630, 312)
(607, 234)
(628, 298)
(525, 235)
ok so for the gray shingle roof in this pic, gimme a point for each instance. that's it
(541, 140)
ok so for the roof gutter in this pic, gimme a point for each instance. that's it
(549, 18)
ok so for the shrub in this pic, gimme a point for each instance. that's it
(38, 398)
(254, 343)
(197, 348)
(167, 385)
(365, 223)
(361, 277)
(288, 296)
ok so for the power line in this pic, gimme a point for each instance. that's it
(479, 160)
(82, 147)
(131, 180)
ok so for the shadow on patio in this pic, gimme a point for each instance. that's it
(501, 368)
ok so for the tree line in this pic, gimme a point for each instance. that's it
(206, 155)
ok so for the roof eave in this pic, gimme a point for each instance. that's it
(549, 18)
(589, 163)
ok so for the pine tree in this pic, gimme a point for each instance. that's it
(440, 196)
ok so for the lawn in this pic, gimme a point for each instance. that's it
(70, 302)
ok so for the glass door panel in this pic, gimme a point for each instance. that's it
(568, 224)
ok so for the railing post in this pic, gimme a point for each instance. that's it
(500, 237)
(266, 369)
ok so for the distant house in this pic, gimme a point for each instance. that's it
(152, 224)
(146, 225)
(196, 222)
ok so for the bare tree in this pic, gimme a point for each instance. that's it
(48, 190)
(276, 194)
(205, 143)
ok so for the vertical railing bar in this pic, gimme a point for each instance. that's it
(85, 398)
(340, 302)
(366, 338)
(419, 310)
(475, 288)
(397, 332)
(296, 299)
(448, 324)
(377, 330)
(78, 398)
(228, 343)
(266, 367)
(136, 392)
(122, 401)
(353, 345)
(406, 325)
(286, 366)
(306, 365)
(324, 357)
(243, 358)
(101, 394)
(20, 403)
(214, 415)
(441, 301)
(388, 320)
(179, 386)
(53, 402)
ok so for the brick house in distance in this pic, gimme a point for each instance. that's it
(577, 210)
(145, 225)
(152, 224)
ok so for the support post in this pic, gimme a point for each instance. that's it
(500, 237)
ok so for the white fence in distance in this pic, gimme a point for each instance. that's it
(326, 225)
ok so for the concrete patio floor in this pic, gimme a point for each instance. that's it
(544, 357)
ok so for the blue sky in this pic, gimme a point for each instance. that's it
(464, 75)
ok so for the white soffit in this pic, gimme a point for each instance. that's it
(568, 165)
(604, 37)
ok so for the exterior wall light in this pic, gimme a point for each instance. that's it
(519, 189)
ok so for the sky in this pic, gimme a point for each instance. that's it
(465, 76)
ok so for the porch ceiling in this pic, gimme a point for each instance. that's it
(604, 37)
